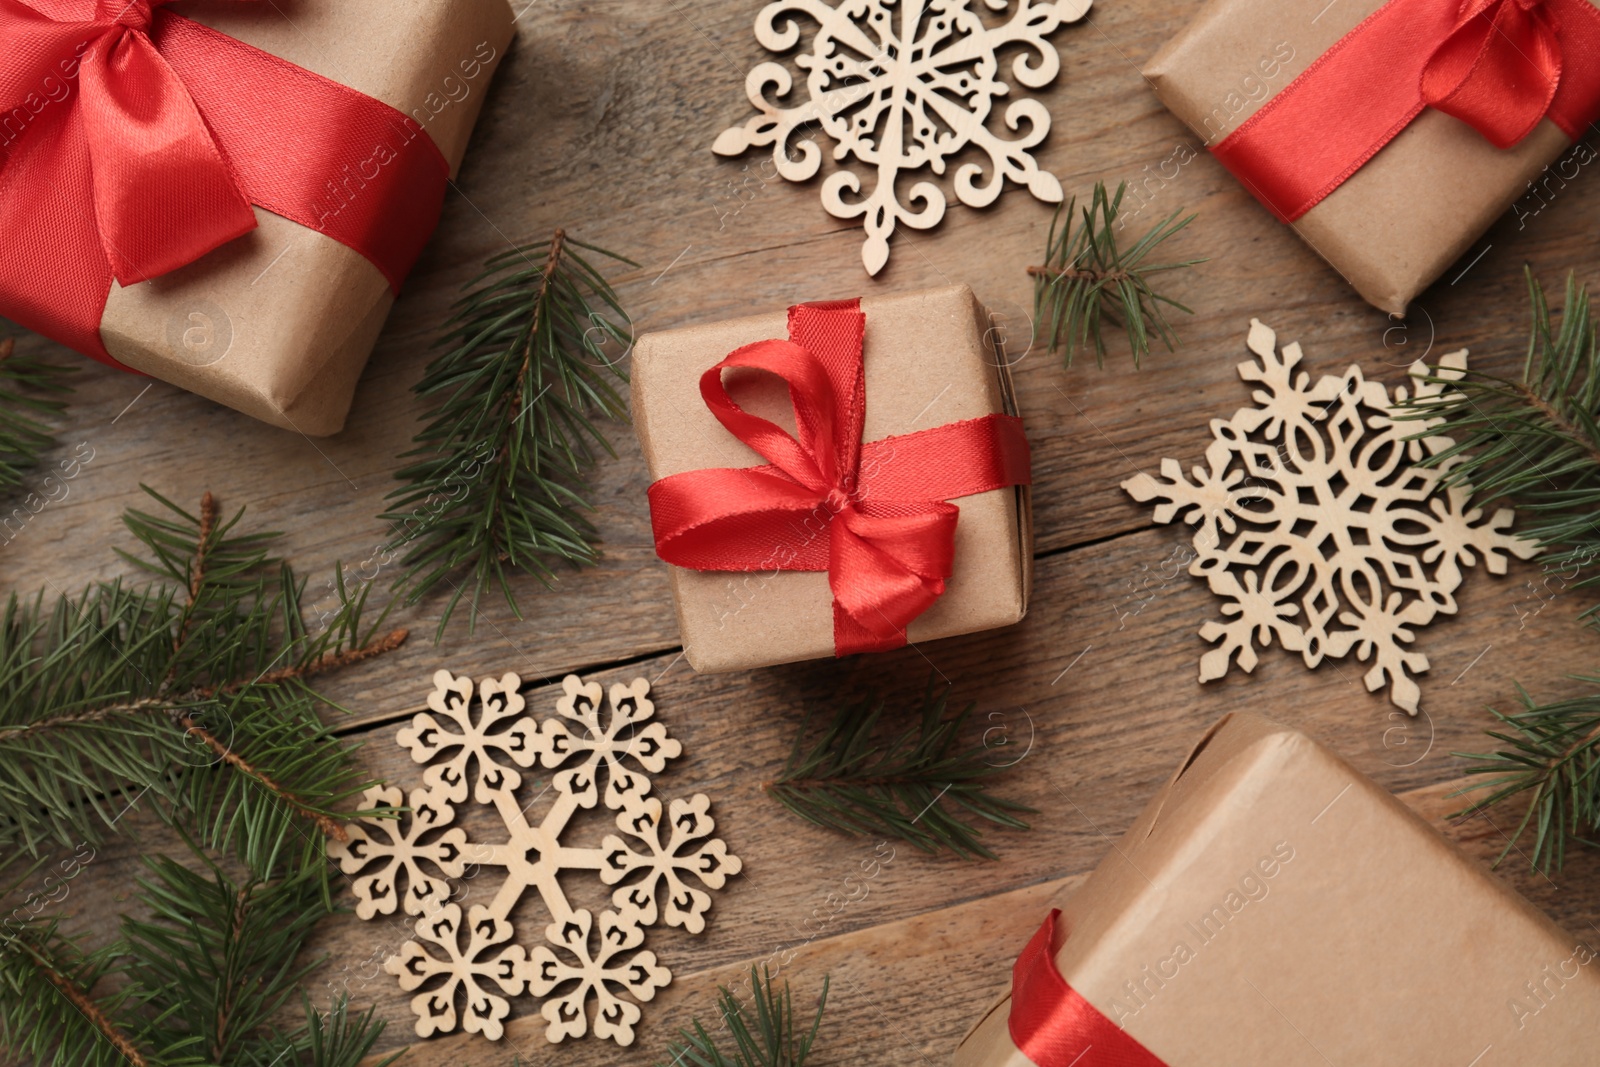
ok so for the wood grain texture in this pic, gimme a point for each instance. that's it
(601, 120)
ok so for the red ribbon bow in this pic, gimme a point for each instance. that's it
(890, 535)
(174, 132)
(1498, 65)
(1053, 1025)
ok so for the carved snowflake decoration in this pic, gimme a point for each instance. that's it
(1316, 527)
(900, 85)
(463, 971)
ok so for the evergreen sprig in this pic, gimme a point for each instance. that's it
(497, 485)
(763, 1037)
(31, 392)
(1535, 442)
(191, 689)
(913, 787)
(1552, 753)
(188, 693)
(1088, 279)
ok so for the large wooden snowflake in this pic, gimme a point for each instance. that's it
(900, 85)
(1317, 528)
(463, 967)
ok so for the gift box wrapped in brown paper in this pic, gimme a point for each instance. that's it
(1274, 906)
(279, 323)
(1399, 222)
(930, 358)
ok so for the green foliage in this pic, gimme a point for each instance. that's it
(769, 1039)
(187, 694)
(912, 787)
(1088, 279)
(1552, 753)
(30, 401)
(496, 485)
(1536, 442)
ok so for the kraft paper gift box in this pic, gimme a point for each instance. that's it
(1399, 222)
(930, 358)
(1274, 906)
(279, 323)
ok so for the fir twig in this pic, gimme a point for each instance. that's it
(30, 401)
(912, 788)
(1088, 279)
(1536, 442)
(190, 690)
(1552, 752)
(497, 482)
(123, 691)
(771, 1040)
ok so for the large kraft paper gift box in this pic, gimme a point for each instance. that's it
(1274, 906)
(931, 361)
(278, 323)
(1405, 215)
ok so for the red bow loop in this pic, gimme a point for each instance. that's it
(890, 532)
(164, 195)
(1498, 70)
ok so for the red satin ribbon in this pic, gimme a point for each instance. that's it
(1053, 1025)
(133, 141)
(874, 515)
(1499, 65)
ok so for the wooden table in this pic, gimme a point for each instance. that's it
(601, 121)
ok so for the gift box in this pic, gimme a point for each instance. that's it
(1300, 101)
(301, 159)
(1273, 905)
(842, 477)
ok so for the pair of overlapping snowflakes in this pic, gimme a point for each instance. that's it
(464, 967)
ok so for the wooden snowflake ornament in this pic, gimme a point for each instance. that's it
(900, 85)
(1316, 528)
(465, 964)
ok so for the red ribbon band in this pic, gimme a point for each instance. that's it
(1498, 65)
(133, 141)
(1053, 1025)
(874, 516)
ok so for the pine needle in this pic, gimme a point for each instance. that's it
(1535, 442)
(1552, 753)
(187, 694)
(914, 788)
(497, 486)
(1088, 280)
(30, 402)
(763, 1033)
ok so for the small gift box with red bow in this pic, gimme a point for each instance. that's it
(1388, 133)
(227, 195)
(846, 477)
(1275, 906)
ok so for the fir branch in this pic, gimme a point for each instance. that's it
(771, 1041)
(1552, 753)
(1536, 440)
(30, 401)
(913, 789)
(192, 688)
(50, 1013)
(1536, 443)
(497, 485)
(1088, 279)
